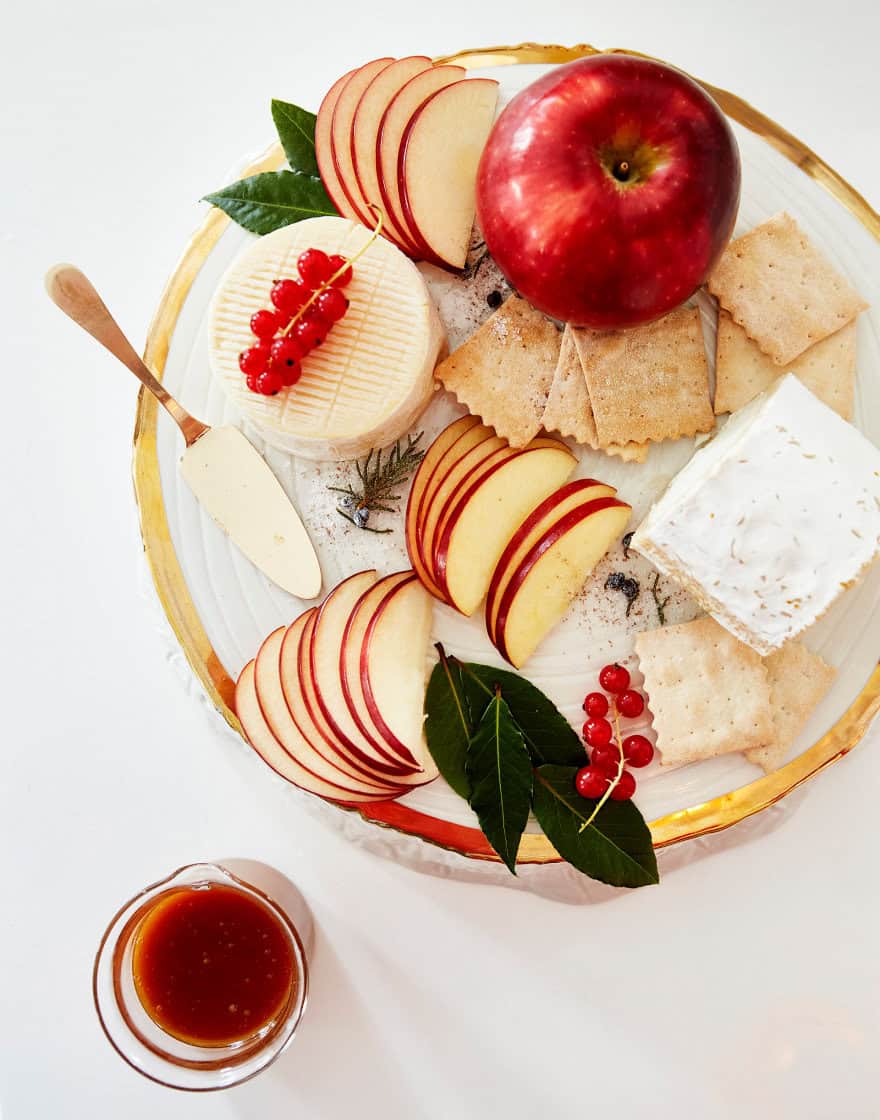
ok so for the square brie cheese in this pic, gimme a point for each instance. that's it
(772, 519)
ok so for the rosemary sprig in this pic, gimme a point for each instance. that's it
(378, 479)
(658, 603)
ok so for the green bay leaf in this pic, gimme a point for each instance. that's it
(500, 773)
(448, 723)
(548, 734)
(273, 199)
(296, 131)
(616, 848)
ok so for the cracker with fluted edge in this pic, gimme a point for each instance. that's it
(784, 293)
(799, 679)
(743, 370)
(649, 382)
(569, 411)
(708, 691)
(504, 371)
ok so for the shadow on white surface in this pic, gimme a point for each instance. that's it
(338, 1020)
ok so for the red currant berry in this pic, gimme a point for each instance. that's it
(251, 380)
(269, 383)
(336, 262)
(607, 759)
(637, 750)
(331, 305)
(288, 296)
(596, 705)
(625, 787)
(597, 732)
(285, 351)
(265, 324)
(590, 782)
(314, 268)
(309, 332)
(614, 678)
(630, 703)
(289, 373)
(254, 360)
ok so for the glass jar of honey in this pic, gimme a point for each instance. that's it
(200, 980)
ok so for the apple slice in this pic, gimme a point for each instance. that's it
(278, 668)
(452, 443)
(350, 661)
(393, 667)
(437, 166)
(375, 763)
(552, 509)
(461, 472)
(259, 735)
(324, 651)
(365, 131)
(551, 574)
(324, 147)
(389, 138)
(486, 515)
(428, 466)
(340, 136)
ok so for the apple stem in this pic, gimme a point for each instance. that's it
(621, 170)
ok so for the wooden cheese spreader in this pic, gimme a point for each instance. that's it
(225, 472)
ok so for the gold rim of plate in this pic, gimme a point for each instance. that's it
(685, 824)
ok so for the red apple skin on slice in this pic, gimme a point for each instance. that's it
(324, 148)
(324, 650)
(270, 696)
(450, 450)
(303, 709)
(461, 473)
(329, 763)
(549, 577)
(259, 735)
(340, 137)
(390, 138)
(350, 658)
(449, 496)
(554, 507)
(375, 764)
(428, 468)
(437, 167)
(393, 667)
(365, 131)
(486, 515)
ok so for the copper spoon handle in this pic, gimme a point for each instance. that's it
(72, 291)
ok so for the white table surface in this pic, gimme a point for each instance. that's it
(746, 985)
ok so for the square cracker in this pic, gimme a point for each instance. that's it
(569, 411)
(778, 286)
(504, 371)
(743, 370)
(708, 691)
(648, 382)
(798, 681)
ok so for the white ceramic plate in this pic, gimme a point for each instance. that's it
(236, 606)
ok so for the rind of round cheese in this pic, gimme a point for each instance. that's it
(369, 381)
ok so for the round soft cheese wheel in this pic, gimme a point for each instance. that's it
(366, 385)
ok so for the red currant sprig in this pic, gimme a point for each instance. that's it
(606, 775)
(305, 309)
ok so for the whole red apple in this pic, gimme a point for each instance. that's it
(608, 189)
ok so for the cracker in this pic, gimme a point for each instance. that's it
(569, 411)
(778, 286)
(649, 382)
(743, 370)
(504, 371)
(708, 691)
(798, 681)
